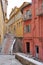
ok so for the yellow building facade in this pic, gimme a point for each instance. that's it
(15, 23)
(2, 19)
(19, 28)
(1, 23)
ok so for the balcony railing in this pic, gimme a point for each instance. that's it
(39, 11)
(27, 18)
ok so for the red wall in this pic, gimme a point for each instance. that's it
(28, 37)
(38, 31)
(35, 37)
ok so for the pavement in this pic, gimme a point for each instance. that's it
(9, 60)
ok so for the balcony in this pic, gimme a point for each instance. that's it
(39, 11)
(27, 17)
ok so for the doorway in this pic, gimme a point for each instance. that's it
(28, 47)
(37, 51)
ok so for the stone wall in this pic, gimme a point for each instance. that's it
(18, 45)
(23, 61)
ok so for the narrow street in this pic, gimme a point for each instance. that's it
(8, 60)
(21, 32)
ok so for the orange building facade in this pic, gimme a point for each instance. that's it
(28, 38)
(33, 29)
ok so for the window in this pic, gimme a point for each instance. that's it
(24, 29)
(28, 47)
(37, 49)
(28, 14)
(27, 28)
(14, 28)
(19, 23)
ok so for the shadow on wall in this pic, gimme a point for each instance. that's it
(17, 47)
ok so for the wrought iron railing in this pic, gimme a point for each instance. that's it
(27, 17)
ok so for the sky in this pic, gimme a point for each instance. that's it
(13, 3)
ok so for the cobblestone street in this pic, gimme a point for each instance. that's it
(8, 60)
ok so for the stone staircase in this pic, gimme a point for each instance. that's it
(7, 44)
(11, 44)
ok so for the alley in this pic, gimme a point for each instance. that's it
(8, 60)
